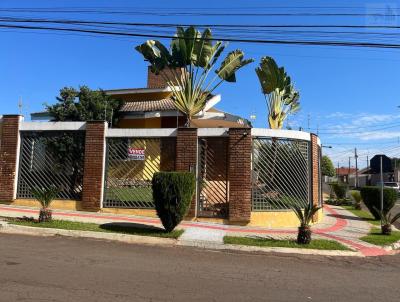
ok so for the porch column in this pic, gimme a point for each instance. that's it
(9, 156)
(239, 174)
(94, 165)
(186, 158)
(315, 173)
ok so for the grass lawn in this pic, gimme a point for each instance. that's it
(375, 237)
(318, 244)
(122, 228)
(142, 196)
(367, 216)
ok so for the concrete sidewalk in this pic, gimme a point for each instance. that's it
(338, 224)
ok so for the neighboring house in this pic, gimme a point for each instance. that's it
(343, 173)
(153, 107)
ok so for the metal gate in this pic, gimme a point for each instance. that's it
(212, 177)
(51, 159)
(280, 173)
(131, 163)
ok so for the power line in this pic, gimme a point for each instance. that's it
(257, 41)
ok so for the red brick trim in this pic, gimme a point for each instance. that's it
(315, 171)
(93, 173)
(239, 174)
(186, 157)
(9, 154)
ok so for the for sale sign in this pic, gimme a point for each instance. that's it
(136, 153)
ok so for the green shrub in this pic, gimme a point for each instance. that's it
(371, 197)
(340, 189)
(172, 194)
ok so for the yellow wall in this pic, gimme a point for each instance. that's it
(278, 219)
(73, 205)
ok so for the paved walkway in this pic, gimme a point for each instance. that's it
(338, 224)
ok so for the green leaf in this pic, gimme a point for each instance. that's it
(233, 62)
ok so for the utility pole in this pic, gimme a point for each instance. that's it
(381, 190)
(356, 156)
(308, 122)
(20, 105)
(348, 172)
(367, 162)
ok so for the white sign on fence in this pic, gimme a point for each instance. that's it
(136, 153)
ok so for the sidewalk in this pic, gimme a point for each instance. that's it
(338, 224)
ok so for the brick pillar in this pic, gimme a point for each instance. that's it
(9, 156)
(93, 171)
(239, 174)
(315, 172)
(186, 157)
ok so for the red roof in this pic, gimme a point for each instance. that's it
(345, 171)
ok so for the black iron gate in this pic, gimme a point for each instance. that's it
(212, 177)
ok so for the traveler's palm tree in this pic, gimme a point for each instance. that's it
(281, 97)
(195, 54)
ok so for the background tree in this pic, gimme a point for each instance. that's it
(84, 105)
(195, 55)
(281, 97)
(327, 167)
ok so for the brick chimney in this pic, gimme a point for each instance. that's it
(157, 81)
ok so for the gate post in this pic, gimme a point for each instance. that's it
(315, 173)
(239, 174)
(94, 166)
(9, 156)
(186, 158)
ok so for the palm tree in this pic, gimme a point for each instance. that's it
(195, 54)
(386, 221)
(45, 198)
(305, 216)
(281, 97)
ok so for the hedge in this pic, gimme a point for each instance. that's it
(172, 194)
(371, 197)
(340, 189)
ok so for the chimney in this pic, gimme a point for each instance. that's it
(157, 81)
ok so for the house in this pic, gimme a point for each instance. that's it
(153, 107)
(342, 173)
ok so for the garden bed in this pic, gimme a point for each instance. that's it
(120, 228)
(317, 244)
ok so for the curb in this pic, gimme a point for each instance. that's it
(392, 247)
(48, 232)
(264, 250)
(147, 240)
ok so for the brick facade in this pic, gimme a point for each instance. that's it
(9, 151)
(186, 156)
(157, 80)
(315, 172)
(93, 171)
(239, 174)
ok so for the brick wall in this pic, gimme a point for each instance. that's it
(9, 150)
(186, 156)
(315, 177)
(157, 81)
(239, 174)
(93, 172)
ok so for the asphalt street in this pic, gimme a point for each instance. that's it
(67, 269)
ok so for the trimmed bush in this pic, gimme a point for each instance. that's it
(356, 195)
(339, 189)
(371, 197)
(172, 194)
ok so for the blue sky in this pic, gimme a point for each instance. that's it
(349, 94)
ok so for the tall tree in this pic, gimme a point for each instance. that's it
(327, 167)
(84, 105)
(195, 55)
(281, 97)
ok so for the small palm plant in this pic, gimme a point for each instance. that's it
(45, 198)
(356, 195)
(305, 216)
(387, 220)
